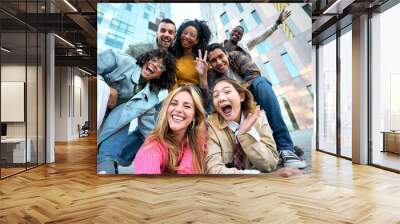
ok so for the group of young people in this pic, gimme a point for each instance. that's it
(221, 115)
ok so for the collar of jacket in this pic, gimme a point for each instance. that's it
(235, 47)
(144, 93)
(136, 73)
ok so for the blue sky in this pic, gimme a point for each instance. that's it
(182, 11)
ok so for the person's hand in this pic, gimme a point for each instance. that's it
(251, 172)
(283, 16)
(249, 121)
(112, 100)
(287, 172)
(201, 64)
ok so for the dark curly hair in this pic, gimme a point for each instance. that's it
(203, 35)
(166, 80)
(214, 46)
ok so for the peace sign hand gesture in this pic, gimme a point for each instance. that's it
(201, 64)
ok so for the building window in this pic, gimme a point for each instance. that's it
(289, 64)
(151, 36)
(224, 18)
(151, 7)
(152, 26)
(287, 113)
(128, 7)
(327, 96)
(243, 24)
(345, 82)
(307, 8)
(120, 26)
(310, 90)
(239, 6)
(263, 47)
(146, 15)
(114, 41)
(100, 17)
(227, 34)
(385, 87)
(271, 73)
(256, 17)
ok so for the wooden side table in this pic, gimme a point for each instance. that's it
(391, 141)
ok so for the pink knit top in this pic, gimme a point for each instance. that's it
(152, 158)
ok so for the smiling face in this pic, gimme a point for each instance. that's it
(153, 69)
(189, 37)
(165, 35)
(218, 60)
(180, 112)
(227, 101)
(236, 34)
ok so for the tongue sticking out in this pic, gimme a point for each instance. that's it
(227, 109)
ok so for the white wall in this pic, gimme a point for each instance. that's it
(71, 102)
(80, 110)
(33, 126)
(12, 73)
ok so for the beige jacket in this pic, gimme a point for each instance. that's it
(260, 155)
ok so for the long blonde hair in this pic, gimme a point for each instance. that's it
(195, 134)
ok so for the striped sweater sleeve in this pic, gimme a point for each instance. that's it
(186, 164)
(149, 159)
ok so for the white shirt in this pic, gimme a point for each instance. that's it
(103, 93)
(234, 126)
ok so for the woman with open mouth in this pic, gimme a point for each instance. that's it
(177, 145)
(239, 137)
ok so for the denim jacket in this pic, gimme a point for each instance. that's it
(121, 72)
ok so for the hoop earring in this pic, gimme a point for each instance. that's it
(193, 123)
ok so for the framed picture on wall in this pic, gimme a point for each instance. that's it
(183, 88)
(12, 101)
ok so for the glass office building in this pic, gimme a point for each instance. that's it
(122, 24)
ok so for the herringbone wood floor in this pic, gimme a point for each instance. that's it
(69, 191)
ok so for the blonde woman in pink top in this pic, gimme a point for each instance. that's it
(178, 142)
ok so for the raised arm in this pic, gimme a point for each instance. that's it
(270, 30)
(114, 66)
(135, 50)
(244, 65)
(116, 70)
